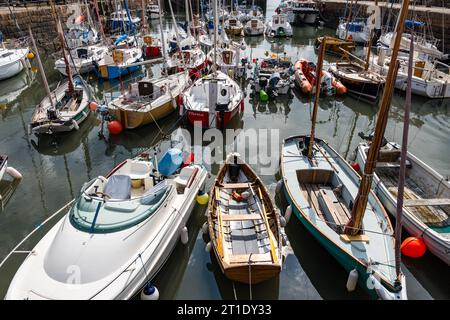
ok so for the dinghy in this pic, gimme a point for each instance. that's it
(63, 110)
(117, 234)
(426, 207)
(244, 225)
(149, 100)
(305, 79)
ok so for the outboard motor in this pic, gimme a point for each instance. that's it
(51, 114)
(263, 83)
(234, 169)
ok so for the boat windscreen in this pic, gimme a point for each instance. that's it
(94, 215)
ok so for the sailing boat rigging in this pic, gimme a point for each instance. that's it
(349, 221)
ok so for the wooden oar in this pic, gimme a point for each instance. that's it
(266, 222)
(219, 218)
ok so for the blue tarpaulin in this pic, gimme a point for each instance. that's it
(413, 23)
(120, 39)
(170, 162)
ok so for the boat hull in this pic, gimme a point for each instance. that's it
(435, 243)
(11, 69)
(134, 119)
(114, 72)
(201, 118)
(50, 127)
(346, 256)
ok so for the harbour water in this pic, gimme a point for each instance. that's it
(54, 170)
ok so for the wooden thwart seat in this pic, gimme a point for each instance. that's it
(240, 217)
(426, 202)
(244, 258)
(244, 185)
(331, 207)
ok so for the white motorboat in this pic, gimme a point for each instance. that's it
(12, 62)
(305, 11)
(421, 45)
(116, 236)
(430, 79)
(254, 27)
(82, 59)
(279, 26)
(426, 196)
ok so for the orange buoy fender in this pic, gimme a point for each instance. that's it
(413, 247)
(340, 88)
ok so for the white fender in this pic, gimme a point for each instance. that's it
(75, 125)
(13, 173)
(184, 235)
(205, 228)
(288, 213)
(352, 280)
(150, 292)
(208, 247)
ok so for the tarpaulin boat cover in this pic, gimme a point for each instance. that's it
(413, 23)
(170, 162)
(118, 187)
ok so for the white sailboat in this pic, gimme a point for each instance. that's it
(120, 230)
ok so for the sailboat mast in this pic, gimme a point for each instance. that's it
(369, 49)
(66, 61)
(186, 4)
(163, 42)
(354, 225)
(404, 151)
(348, 19)
(177, 35)
(41, 68)
(143, 15)
(97, 12)
(216, 27)
(316, 98)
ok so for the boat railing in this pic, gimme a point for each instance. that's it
(20, 250)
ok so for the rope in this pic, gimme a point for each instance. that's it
(250, 275)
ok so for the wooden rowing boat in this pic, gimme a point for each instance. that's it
(244, 224)
(426, 207)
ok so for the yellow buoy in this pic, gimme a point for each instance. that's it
(30, 55)
(34, 69)
(202, 198)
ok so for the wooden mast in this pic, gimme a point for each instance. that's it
(354, 225)
(348, 19)
(316, 99)
(41, 68)
(369, 49)
(66, 61)
(99, 21)
(63, 48)
(404, 152)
